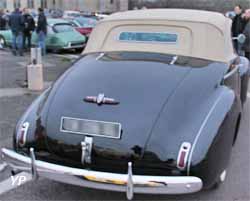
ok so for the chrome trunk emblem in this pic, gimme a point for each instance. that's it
(101, 99)
(86, 150)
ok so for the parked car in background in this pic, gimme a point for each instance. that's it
(56, 13)
(83, 25)
(230, 14)
(101, 16)
(61, 35)
(153, 106)
(71, 14)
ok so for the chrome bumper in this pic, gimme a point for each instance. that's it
(74, 46)
(102, 180)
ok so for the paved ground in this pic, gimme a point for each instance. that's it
(236, 187)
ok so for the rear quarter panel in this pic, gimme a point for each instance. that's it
(211, 149)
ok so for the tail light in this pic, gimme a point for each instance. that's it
(183, 155)
(22, 134)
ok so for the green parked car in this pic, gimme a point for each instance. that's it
(61, 35)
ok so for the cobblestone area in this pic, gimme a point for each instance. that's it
(13, 68)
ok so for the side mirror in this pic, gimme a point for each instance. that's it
(241, 38)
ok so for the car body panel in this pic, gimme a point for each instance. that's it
(134, 144)
(165, 97)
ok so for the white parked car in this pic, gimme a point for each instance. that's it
(71, 14)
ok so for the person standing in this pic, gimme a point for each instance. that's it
(16, 24)
(29, 27)
(2, 20)
(41, 30)
(6, 16)
(246, 32)
(238, 26)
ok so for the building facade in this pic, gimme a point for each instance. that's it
(211, 5)
(107, 6)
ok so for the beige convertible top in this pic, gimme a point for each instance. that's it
(200, 34)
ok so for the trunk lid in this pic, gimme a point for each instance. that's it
(141, 87)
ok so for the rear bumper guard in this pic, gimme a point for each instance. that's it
(128, 183)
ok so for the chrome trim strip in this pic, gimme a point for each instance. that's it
(33, 164)
(101, 180)
(200, 132)
(130, 184)
(230, 73)
(175, 58)
(73, 47)
(82, 133)
(148, 42)
(99, 56)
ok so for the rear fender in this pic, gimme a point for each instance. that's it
(212, 145)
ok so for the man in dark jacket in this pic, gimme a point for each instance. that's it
(2, 20)
(16, 25)
(246, 32)
(237, 26)
(29, 27)
(41, 30)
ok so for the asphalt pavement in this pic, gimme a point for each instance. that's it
(12, 105)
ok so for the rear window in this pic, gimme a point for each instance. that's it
(148, 37)
(61, 28)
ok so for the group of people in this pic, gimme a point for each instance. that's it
(241, 25)
(22, 26)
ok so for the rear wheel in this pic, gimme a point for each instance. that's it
(220, 180)
(2, 42)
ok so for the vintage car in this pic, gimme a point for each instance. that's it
(153, 106)
(83, 25)
(71, 14)
(61, 36)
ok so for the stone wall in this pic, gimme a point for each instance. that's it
(212, 5)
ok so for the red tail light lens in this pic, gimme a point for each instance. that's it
(183, 155)
(22, 134)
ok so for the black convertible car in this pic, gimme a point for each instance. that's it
(153, 106)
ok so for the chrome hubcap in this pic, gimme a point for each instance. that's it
(223, 176)
(1, 42)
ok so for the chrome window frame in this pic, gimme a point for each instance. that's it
(148, 42)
